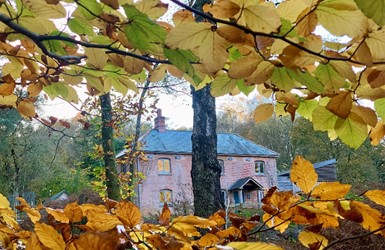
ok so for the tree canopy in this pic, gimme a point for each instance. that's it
(55, 46)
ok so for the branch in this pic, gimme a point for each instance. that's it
(39, 39)
(354, 237)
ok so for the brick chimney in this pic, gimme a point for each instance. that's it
(160, 122)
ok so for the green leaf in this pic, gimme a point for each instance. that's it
(353, 131)
(245, 88)
(282, 79)
(329, 77)
(323, 119)
(90, 9)
(379, 106)
(182, 59)
(67, 92)
(223, 85)
(140, 31)
(306, 108)
(306, 79)
(80, 27)
(374, 9)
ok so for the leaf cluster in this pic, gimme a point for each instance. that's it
(117, 225)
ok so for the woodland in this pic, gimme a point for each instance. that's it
(330, 81)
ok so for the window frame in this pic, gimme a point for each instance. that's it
(164, 192)
(163, 172)
(257, 166)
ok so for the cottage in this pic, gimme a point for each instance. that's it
(326, 170)
(248, 169)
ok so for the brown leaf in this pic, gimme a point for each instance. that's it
(97, 240)
(73, 212)
(112, 3)
(26, 108)
(222, 9)
(164, 218)
(64, 123)
(35, 89)
(367, 114)
(208, 240)
(52, 119)
(7, 88)
(341, 104)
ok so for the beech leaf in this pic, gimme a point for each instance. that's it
(303, 174)
(263, 112)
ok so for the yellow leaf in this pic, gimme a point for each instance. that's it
(376, 44)
(339, 21)
(187, 224)
(13, 68)
(303, 175)
(44, 10)
(307, 24)
(8, 101)
(263, 112)
(309, 239)
(100, 221)
(290, 10)
(49, 237)
(377, 196)
(208, 240)
(330, 190)
(182, 16)
(33, 243)
(152, 8)
(73, 212)
(26, 108)
(229, 232)
(58, 215)
(222, 9)
(251, 246)
(6, 89)
(97, 58)
(260, 18)
(341, 104)
(323, 119)
(188, 35)
(4, 203)
(377, 133)
(275, 222)
(158, 74)
(213, 51)
(128, 214)
(97, 240)
(372, 218)
(38, 25)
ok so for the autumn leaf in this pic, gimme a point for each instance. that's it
(308, 238)
(372, 218)
(252, 246)
(353, 131)
(73, 212)
(377, 133)
(27, 109)
(49, 237)
(58, 215)
(377, 196)
(4, 203)
(101, 221)
(222, 8)
(208, 240)
(275, 222)
(330, 190)
(341, 104)
(6, 89)
(263, 112)
(303, 175)
(128, 214)
(164, 218)
(373, 9)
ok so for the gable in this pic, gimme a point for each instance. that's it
(179, 142)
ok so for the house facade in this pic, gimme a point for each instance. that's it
(248, 170)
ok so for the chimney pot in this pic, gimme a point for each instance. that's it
(160, 122)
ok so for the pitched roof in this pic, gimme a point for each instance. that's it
(239, 184)
(179, 142)
(315, 165)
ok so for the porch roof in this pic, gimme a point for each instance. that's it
(248, 182)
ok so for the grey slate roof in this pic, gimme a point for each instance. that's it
(239, 184)
(179, 142)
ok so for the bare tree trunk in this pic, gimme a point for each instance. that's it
(205, 172)
(113, 190)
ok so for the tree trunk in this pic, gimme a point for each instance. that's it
(205, 172)
(113, 190)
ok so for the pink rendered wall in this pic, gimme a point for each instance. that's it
(180, 179)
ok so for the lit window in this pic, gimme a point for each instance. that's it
(165, 195)
(164, 166)
(222, 165)
(259, 167)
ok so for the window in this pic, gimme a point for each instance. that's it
(222, 165)
(259, 167)
(165, 195)
(164, 166)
